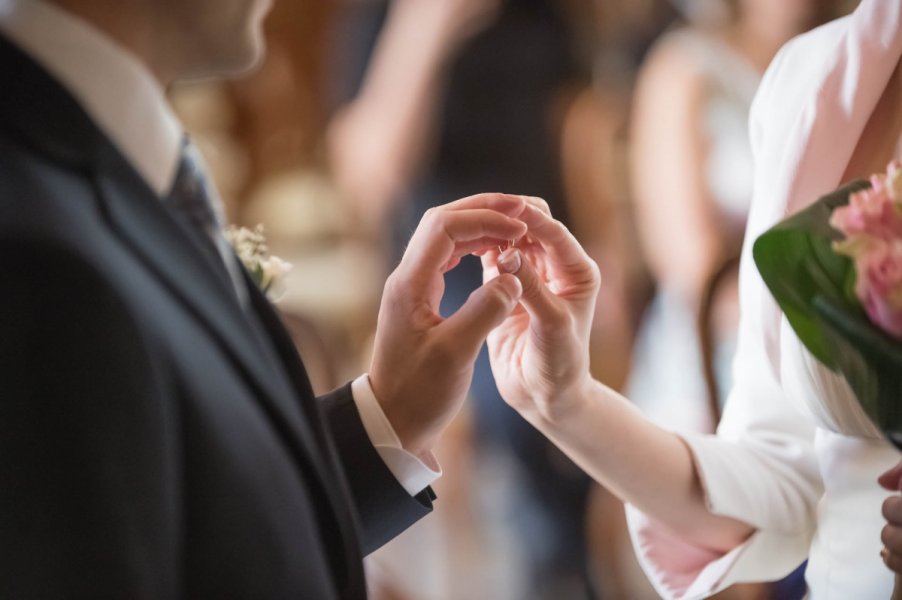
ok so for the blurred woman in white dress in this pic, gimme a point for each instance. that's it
(690, 121)
(792, 471)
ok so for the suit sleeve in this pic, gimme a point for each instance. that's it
(87, 496)
(383, 506)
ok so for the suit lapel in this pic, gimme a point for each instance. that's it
(335, 488)
(142, 224)
(260, 353)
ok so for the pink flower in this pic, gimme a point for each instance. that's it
(879, 283)
(872, 225)
(870, 212)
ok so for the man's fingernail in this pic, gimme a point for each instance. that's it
(513, 286)
(509, 261)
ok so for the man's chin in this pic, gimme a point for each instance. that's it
(234, 67)
(248, 67)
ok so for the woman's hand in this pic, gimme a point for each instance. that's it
(891, 536)
(540, 359)
(423, 363)
(540, 354)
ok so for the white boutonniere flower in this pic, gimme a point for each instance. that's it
(267, 271)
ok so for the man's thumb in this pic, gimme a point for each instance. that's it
(485, 309)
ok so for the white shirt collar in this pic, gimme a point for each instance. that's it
(112, 85)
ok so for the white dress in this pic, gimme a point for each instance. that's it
(794, 456)
(666, 380)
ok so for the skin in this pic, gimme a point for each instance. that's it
(540, 357)
(876, 147)
(683, 238)
(422, 363)
(763, 26)
(589, 421)
(891, 536)
(180, 40)
(399, 101)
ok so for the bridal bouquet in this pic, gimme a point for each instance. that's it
(835, 269)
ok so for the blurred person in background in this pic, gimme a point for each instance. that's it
(613, 37)
(690, 129)
(692, 175)
(396, 59)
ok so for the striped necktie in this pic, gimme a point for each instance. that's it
(195, 200)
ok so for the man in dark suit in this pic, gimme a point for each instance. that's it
(158, 435)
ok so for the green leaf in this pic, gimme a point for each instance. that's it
(797, 262)
(869, 359)
(814, 286)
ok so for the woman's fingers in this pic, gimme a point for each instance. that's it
(548, 314)
(559, 244)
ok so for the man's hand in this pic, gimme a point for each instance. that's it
(540, 354)
(422, 363)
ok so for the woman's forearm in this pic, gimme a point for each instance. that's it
(641, 463)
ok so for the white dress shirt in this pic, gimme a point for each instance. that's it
(124, 99)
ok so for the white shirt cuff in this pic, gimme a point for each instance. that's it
(681, 570)
(414, 473)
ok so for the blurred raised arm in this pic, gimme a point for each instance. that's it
(379, 140)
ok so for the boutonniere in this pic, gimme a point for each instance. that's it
(266, 270)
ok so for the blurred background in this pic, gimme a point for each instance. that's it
(628, 116)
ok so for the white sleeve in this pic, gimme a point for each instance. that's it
(761, 466)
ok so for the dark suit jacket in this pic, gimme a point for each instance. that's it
(156, 440)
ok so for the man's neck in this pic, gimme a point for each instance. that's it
(112, 84)
(132, 26)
